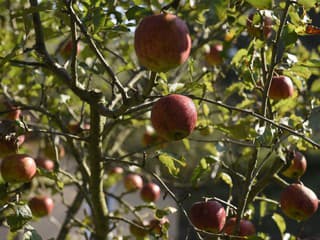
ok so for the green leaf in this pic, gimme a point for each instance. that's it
(160, 213)
(226, 179)
(22, 214)
(280, 222)
(289, 35)
(31, 234)
(261, 4)
(308, 3)
(170, 161)
(186, 144)
(136, 13)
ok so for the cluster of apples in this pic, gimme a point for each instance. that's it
(18, 168)
(211, 216)
(149, 192)
(297, 201)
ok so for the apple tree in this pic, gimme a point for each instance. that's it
(211, 104)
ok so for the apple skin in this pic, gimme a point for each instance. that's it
(41, 206)
(297, 166)
(246, 227)
(174, 117)
(44, 163)
(256, 30)
(133, 182)
(150, 192)
(116, 171)
(298, 202)
(281, 87)
(66, 49)
(208, 215)
(214, 56)
(18, 168)
(162, 42)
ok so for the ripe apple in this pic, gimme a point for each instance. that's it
(133, 182)
(66, 49)
(116, 171)
(150, 192)
(259, 28)
(159, 226)
(18, 168)
(281, 87)
(246, 227)
(41, 205)
(162, 42)
(298, 202)
(297, 165)
(174, 117)
(44, 163)
(214, 55)
(208, 215)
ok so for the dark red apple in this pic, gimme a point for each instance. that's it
(41, 206)
(260, 28)
(174, 116)
(18, 168)
(133, 182)
(281, 88)
(66, 49)
(298, 202)
(246, 227)
(297, 165)
(44, 163)
(150, 192)
(162, 42)
(214, 55)
(208, 215)
(159, 226)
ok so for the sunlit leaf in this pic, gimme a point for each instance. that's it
(280, 222)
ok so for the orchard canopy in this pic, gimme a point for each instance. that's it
(210, 106)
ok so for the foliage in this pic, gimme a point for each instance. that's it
(241, 139)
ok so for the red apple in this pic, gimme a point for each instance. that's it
(116, 171)
(44, 163)
(41, 206)
(162, 42)
(174, 116)
(298, 202)
(297, 165)
(246, 227)
(281, 88)
(66, 49)
(159, 226)
(133, 182)
(150, 192)
(214, 55)
(208, 215)
(18, 168)
(259, 28)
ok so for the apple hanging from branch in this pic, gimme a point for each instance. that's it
(298, 202)
(162, 42)
(174, 116)
(208, 215)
